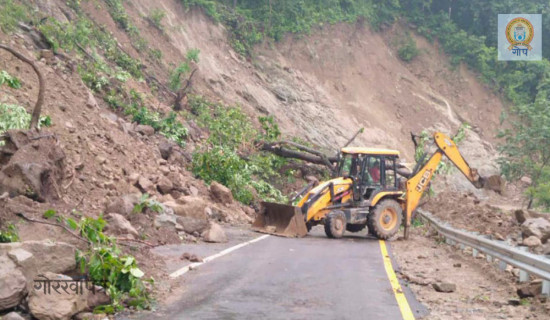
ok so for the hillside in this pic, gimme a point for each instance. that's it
(116, 142)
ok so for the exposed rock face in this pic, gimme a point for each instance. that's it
(13, 316)
(221, 193)
(119, 225)
(214, 234)
(13, 285)
(538, 227)
(56, 305)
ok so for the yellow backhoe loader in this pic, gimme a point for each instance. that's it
(366, 192)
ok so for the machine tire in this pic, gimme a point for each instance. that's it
(335, 224)
(384, 221)
(355, 227)
(309, 225)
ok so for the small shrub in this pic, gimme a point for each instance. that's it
(156, 16)
(9, 80)
(146, 203)
(408, 51)
(107, 266)
(9, 234)
(11, 13)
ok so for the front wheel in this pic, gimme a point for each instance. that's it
(384, 221)
(335, 224)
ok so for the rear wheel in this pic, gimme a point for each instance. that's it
(355, 227)
(335, 224)
(384, 221)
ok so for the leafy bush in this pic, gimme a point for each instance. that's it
(134, 106)
(254, 20)
(11, 13)
(408, 51)
(9, 80)
(9, 234)
(230, 132)
(107, 266)
(146, 203)
(156, 16)
(177, 75)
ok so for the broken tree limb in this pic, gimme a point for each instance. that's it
(279, 150)
(41, 85)
(182, 93)
(354, 136)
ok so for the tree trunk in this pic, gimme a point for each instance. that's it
(41, 86)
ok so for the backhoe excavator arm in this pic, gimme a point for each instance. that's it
(418, 183)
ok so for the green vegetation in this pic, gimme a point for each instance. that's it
(177, 75)
(9, 234)
(105, 264)
(252, 21)
(232, 135)
(132, 104)
(146, 203)
(526, 150)
(120, 16)
(408, 50)
(156, 16)
(9, 80)
(11, 14)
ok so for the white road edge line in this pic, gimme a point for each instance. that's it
(184, 270)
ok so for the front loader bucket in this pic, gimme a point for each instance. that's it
(280, 219)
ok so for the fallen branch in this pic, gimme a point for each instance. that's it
(21, 215)
(135, 240)
(41, 86)
(182, 93)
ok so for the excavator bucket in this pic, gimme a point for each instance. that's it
(280, 219)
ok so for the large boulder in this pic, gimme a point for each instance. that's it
(192, 225)
(532, 241)
(164, 185)
(57, 304)
(118, 225)
(188, 206)
(214, 234)
(32, 168)
(13, 285)
(38, 257)
(221, 193)
(538, 227)
(123, 205)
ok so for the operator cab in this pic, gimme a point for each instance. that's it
(372, 171)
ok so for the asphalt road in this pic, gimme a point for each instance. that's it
(281, 278)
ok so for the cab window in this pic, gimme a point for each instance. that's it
(371, 175)
(389, 172)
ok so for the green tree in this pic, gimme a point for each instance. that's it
(525, 151)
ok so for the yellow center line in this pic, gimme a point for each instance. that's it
(402, 302)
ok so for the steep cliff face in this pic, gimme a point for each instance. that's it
(326, 85)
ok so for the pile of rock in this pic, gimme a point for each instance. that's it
(535, 230)
(34, 280)
(192, 217)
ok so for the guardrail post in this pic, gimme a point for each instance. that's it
(502, 265)
(545, 288)
(489, 258)
(523, 275)
(475, 252)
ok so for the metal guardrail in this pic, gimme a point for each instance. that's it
(527, 262)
